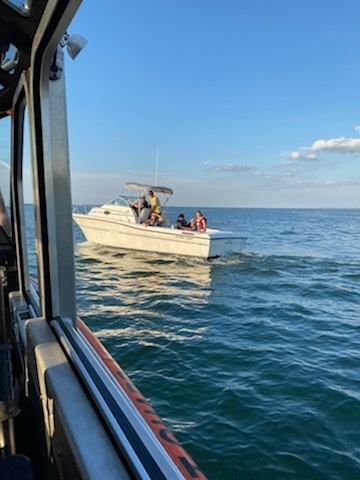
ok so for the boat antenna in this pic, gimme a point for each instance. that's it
(156, 166)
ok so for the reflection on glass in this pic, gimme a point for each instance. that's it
(10, 59)
(5, 174)
(20, 6)
(4, 218)
(29, 233)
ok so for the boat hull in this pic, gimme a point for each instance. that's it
(210, 244)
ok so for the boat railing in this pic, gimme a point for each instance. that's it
(84, 209)
(164, 215)
(144, 214)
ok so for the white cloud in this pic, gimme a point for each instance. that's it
(233, 167)
(303, 154)
(338, 145)
(341, 145)
(295, 155)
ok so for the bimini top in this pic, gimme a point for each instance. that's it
(138, 186)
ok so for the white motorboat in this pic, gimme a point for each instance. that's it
(118, 224)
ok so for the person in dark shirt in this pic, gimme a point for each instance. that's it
(142, 203)
(181, 223)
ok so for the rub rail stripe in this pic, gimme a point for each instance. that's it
(132, 436)
(180, 457)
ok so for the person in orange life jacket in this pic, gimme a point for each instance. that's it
(199, 222)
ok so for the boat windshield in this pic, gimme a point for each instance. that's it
(121, 200)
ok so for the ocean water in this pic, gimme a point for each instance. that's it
(252, 360)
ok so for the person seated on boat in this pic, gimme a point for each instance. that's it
(142, 203)
(155, 220)
(154, 203)
(181, 223)
(199, 222)
(192, 224)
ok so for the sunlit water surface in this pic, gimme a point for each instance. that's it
(253, 360)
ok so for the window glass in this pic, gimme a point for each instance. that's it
(10, 59)
(21, 6)
(5, 132)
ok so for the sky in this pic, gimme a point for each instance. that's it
(232, 103)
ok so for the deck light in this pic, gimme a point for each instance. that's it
(74, 44)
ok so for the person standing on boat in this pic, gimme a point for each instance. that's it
(154, 203)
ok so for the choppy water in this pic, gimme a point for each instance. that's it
(253, 360)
